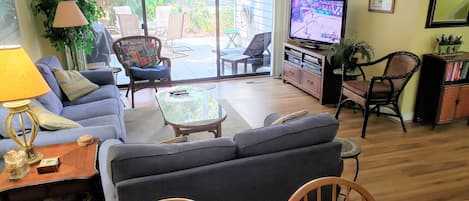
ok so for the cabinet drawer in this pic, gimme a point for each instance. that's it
(311, 82)
(291, 73)
(448, 104)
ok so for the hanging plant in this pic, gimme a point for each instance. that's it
(60, 37)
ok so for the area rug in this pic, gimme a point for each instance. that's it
(145, 125)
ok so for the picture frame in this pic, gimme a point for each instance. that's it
(381, 6)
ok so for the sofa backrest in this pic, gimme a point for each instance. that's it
(45, 66)
(267, 177)
(138, 160)
(305, 131)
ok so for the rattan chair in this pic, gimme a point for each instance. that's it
(380, 91)
(319, 189)
(140, 56)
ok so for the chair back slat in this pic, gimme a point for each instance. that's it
(317, 184)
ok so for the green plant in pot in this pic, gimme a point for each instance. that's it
(457, 44)
(344, 54)
(443, 44)
(60, 37)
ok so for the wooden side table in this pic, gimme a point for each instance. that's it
(234, 59)
(77, 173)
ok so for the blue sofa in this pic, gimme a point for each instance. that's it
(101, 112)
(267, 163)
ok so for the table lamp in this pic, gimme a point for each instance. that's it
(20, 80)
(69, 15)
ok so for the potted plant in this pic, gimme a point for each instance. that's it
(345, 54)
(59, 37)
(443, 44)
(457, 43)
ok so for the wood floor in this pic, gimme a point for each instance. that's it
(424, 164)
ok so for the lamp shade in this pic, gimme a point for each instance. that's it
(68, 14)
(19, 77)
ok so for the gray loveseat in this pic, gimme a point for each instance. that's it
(101, 112)
(265, 164)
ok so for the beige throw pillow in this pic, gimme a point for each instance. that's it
(290, 116)
(73, 84)
(179, 139)
(49, 120)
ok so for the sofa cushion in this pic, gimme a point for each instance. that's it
(138, 160)
(51, 102)
(49, 120)
(305, 131)
(45, 66)
(73, 84)
(93, 109)
(103, 92)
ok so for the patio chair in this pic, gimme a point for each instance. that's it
(162, 19)
(140, 57)
(175, 31)
(380, 91)
(255, 50)
(129, 25)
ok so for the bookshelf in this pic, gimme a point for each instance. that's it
(443, 90)
(307, 69)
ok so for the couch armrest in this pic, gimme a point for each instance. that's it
(99, 77)
(105, 170)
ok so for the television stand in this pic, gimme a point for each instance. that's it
(308, 70)
(313, 46)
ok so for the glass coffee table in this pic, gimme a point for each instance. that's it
(190, 110)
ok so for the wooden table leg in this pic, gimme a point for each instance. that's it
(218, 134)
(245, 65)
(223, 67)
(234, 67)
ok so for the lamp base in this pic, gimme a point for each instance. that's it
(33, 156)
(18, 108)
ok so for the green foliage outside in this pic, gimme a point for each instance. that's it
(60, 37)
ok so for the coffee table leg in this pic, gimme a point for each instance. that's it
(177, 131)
(218, 134)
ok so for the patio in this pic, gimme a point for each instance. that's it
(198, 63)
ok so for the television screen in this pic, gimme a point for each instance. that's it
(317, 20)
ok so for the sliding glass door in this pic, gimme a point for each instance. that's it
(199, 45)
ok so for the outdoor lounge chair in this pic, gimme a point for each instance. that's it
(256, 50)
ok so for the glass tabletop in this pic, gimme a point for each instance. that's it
(189, 106)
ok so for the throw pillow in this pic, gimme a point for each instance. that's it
(49, 120)
(178, 139)
(73, 84)
(138, 54)
(290, 116)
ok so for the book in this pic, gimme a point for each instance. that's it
(449, 71)
(464, 70)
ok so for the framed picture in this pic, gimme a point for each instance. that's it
(383, 6)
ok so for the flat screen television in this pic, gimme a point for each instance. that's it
(317, 22)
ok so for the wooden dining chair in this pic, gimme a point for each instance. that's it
(380, 91)
(318, 186)
(176, 199)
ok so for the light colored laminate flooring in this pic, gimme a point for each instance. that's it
(423, 164)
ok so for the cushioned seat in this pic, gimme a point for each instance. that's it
(360, 87)
(149, 73)
(93, 109)
(103, 92)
